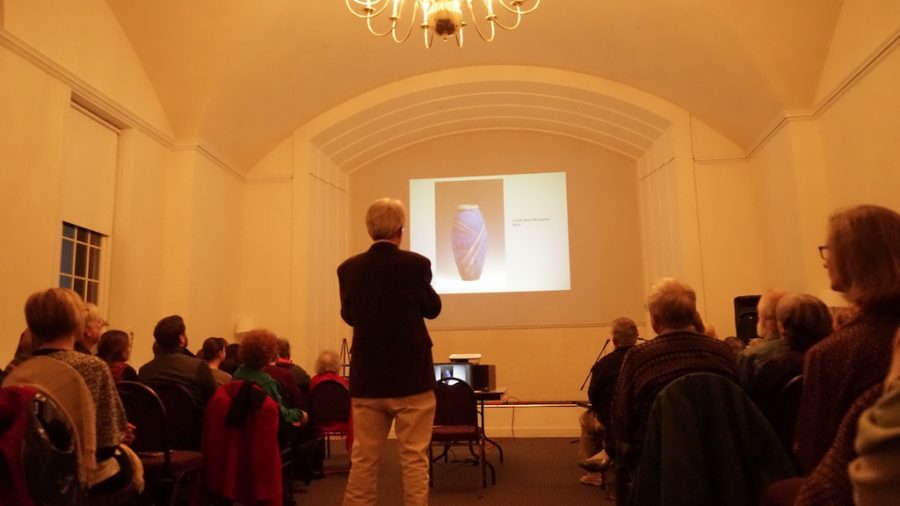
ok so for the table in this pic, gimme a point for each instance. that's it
(489, 395)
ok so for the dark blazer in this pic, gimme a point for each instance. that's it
(385, 294)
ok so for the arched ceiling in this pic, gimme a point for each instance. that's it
(242, 75)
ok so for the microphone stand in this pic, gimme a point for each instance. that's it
(595, 361)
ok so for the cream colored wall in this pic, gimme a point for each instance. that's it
(175, 227)
(138, 251)
(327, 205)
(860, 152)
(86, 40)
(265, 294)
(215, 252)
(33, 107)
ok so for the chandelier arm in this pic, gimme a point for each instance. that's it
(516, 7)
(491, 19)
(412, 22)
(368, 11)
(510, 27)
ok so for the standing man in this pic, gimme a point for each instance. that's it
(385, 294)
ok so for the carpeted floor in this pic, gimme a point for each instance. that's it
(535, 472)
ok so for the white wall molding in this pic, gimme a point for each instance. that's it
(98, 103)
(210, 154)
(82, 91)
(843, 86)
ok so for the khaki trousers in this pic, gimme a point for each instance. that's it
(592, 434)
(413, 417)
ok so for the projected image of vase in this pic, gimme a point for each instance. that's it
(469, 241)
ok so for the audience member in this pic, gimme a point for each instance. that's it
(25, 348)
(385, 295)
(172, 365)
(803, 321)
(300, 376)
(93, 328)
(677, 350)
(595, 421)
(862, 257)
(736, 343)
(213, 353)
(56, 319)
(258, 349)
(769, 342)
(328, 368)
(844, 375)
(115, 350)
(231, 362)
(875, 474)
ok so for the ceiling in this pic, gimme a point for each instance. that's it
(242, 75)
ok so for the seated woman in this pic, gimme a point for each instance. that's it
(231, 361)
(803, 321)
(258, 348)
(56, 318)
(115, 350)
(213, 352)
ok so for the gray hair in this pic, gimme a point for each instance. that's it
(805, 320)
(672, 304)
(767, 324)
(385, 218)
(624, 332)
(328, 361)
(92, 315)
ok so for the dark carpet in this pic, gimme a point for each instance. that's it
(534, 472)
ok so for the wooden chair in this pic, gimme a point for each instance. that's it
(329, 411)
(456, 424)
(166, 470)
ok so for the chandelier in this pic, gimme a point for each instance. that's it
(444, 18)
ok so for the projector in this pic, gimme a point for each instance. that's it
(465, 358)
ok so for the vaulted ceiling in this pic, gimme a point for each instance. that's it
(241, 75)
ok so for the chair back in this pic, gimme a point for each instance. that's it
(63, 383)
(706, 443)
(329, 403)
(38, 445)
(146, 411)
(184, 418)
(785, 409)
(455, 403)
(240, 444)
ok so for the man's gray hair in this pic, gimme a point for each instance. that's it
(624, 332)
(672, 304)
(385, 218)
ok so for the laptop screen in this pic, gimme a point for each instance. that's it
(449, 370)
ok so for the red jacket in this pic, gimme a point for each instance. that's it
(242, 463)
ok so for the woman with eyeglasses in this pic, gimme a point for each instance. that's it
(842, 375)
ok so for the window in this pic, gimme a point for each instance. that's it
(79, 265)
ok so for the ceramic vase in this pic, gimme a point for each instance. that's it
(469, 241)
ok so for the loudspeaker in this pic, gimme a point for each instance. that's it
(484, 377)
(746, 317)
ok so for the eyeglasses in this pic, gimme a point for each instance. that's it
(823, 252)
